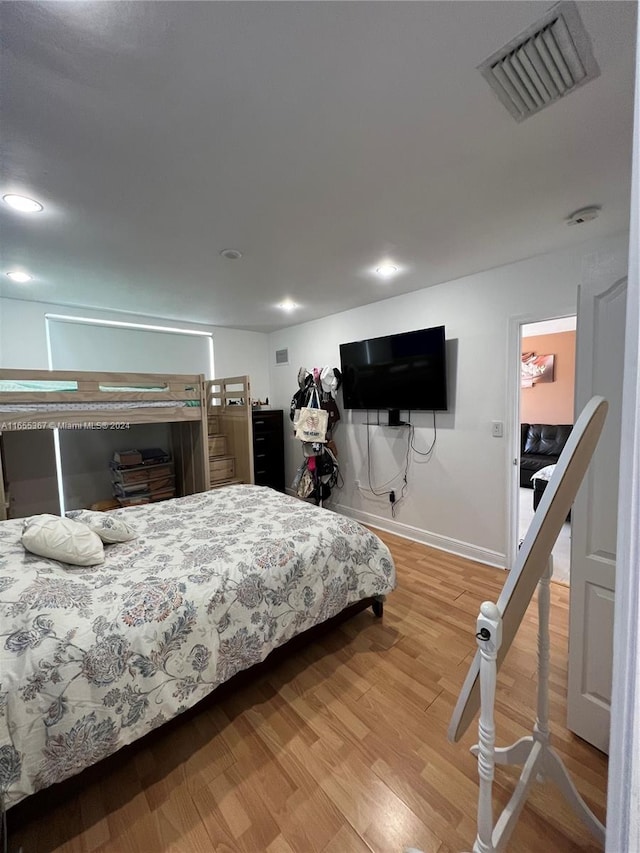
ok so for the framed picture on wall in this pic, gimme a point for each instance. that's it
(535, 368)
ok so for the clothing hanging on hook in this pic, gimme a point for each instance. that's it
(316, 389)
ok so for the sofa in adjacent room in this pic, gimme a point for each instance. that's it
(540, 445)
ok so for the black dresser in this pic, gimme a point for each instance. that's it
(268, 448)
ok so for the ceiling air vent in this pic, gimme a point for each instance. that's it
(544, 63)
(282, 356)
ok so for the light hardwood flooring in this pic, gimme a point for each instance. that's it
(341, 747)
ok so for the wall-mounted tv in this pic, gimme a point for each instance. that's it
(405, 371)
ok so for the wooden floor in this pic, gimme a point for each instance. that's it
(340, 748)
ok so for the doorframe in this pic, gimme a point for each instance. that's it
(623, 800)
(516, 321)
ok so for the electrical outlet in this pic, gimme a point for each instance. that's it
(497, 429)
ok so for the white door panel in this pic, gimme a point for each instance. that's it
(596, 681)
(599, 369)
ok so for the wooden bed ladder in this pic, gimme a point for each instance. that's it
(230, 431)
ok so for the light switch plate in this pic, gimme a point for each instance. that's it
(497, 429)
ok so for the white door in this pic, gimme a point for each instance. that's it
(599, 369)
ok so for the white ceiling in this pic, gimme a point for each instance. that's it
(549, 327)
(317, 138)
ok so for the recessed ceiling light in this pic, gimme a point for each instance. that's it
(387, 270)
(288, 305)
(19, 276)
(231, 254)
(22, 203)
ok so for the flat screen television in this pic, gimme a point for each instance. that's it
(405, 371)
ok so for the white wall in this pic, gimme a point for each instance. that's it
(31, 472)
(456, 500)
(23, 341)
(124, 349)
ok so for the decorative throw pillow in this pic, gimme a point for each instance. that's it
(108, 528)
(62, 539)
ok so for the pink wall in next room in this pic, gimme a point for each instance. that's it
(551, 402)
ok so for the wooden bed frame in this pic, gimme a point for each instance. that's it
(188, 423)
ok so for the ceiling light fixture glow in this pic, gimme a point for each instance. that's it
(387, 270)
(288, 305)
(19, 276)
(22, 203)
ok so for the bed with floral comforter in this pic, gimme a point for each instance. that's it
(94, 658)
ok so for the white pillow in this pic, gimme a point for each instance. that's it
(108, 528)
(62, 539)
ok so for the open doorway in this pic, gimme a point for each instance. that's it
(547, 378)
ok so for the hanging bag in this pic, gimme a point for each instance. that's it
(331, 408)
(301, 397)
(306, 485)
(312, 423)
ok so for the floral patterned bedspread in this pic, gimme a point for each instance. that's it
(94, 658)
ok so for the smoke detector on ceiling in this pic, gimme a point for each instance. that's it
(544, 63)
(231, 254)
(585, 214)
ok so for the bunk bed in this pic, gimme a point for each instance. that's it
(94, 658)
(62, 399)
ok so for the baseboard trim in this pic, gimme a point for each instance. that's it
(425, 537)
(443, 543)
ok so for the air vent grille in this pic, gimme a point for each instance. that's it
(282, 356)
(544, 63)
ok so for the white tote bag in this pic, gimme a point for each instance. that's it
(312, 423)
